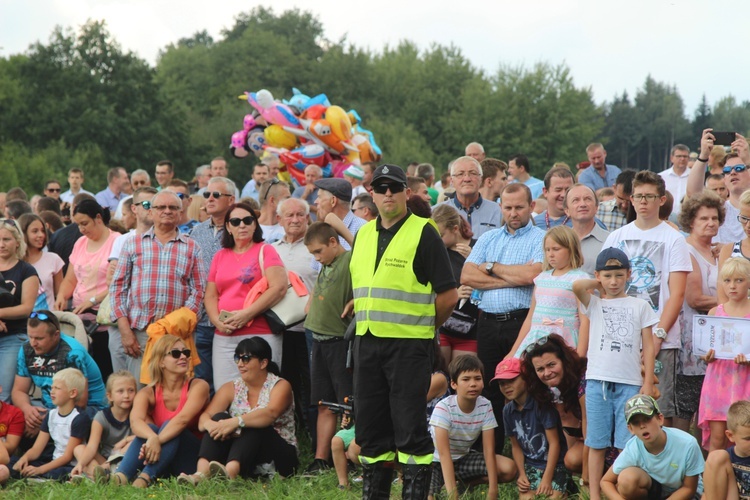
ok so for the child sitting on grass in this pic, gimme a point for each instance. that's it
(343, 449)
(535, 433)
(658, 462)
(110, 430)
(456, 423)
(65, 425)
(728, 471)
(12, 424)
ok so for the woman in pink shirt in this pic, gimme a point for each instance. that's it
(235, 269)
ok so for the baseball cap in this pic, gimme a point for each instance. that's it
(339, 188)
(612, 254)
(355, 171)
(507, 369)
(388, 172)
(641, 404)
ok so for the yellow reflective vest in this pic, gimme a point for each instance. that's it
(390, 302)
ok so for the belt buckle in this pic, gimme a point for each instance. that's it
(503, 316)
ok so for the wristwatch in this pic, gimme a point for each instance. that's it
(241, 422)
(93, 300)
(488, 267)
(660, 333)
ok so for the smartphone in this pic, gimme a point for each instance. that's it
(224, 315)
(724, 138)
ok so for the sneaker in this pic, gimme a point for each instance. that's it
(318, 466)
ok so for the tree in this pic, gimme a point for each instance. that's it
(623, 131)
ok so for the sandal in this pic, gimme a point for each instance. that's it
(118, 479)
(101, 475)
(143, 478)
(191, 479)
(217, 470)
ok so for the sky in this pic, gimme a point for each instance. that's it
(609, 46)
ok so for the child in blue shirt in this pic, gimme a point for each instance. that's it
(658, 462)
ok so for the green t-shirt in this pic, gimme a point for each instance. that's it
(333, 289)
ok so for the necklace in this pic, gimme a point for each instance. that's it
(546, 219)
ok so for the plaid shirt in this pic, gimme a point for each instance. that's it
(153, 279)
(611, 216)
(208, 238)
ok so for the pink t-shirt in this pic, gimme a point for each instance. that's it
(90, 268)
(235, 274)
(46, 267)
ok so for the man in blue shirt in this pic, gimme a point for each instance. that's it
(483, 215)
(556, 184)
(117, 181)
(599, 174)
(520, 169)
(46, 353)
(502, 266)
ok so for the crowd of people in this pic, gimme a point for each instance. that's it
(555, 313)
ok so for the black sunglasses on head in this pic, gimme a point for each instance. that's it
(274, 181)
(383, 188)
(235, 221)
(177, 353)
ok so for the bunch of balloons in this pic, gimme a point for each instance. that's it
(304, 131)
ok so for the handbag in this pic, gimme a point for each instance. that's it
(103, 314)
(460, 323)
(290, 310)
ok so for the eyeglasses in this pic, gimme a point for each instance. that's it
(235, 221)
(162, 208)
(54, 190)
(40, 316)
(536, 344)
(274, 181)
(145, 204)
(215, 194)
(245, 358)
(465, 174)
(743, 220)
(647, 197)
(383, 188)
(178, 353)
(736, 168)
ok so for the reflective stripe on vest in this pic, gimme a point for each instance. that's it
(391, 302)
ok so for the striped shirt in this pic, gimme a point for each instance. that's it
(518, 248)
(463, 428)
(153, 279)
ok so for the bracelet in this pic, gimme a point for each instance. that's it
(702, 160)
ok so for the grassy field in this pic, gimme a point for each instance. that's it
(323, 487)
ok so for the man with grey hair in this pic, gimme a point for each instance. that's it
(202, 176)
(475, 150)
(309, 192)
(140, 178)
(157, 273)
(676, 176)
(427, 172)
(295, 364)
(219, 195)
(483, 215)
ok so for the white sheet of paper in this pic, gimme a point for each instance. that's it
(728, 337)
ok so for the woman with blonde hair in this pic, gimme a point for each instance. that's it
(164, 418)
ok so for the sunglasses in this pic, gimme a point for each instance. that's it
(181, 196)
(536, 344)
(178, 353)
(383, 188)
(40, 316)
(53, 190)
(145, 204)
(215, 194)
(736, 168)
(274, 181)
(235, 221)
(245, 358)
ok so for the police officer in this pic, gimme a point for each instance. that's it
(403, 291)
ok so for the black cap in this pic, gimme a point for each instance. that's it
(339, 188)
(388, 172)
(612, 254)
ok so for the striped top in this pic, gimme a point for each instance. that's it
(463, 428)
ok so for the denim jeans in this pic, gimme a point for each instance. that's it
(178, 455)
(204, 341)
(9, 347)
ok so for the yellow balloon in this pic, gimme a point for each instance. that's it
(341, 125)
(280, 138)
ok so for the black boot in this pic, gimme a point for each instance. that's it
(376, 482)
(416, 481)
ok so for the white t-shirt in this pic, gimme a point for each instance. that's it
(677, 185)
(114, 254)
(731, 231)
(272, 234)
(463, 428)
(46, 267)
(615, 338)
(653, 254)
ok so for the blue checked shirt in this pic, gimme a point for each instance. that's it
(498, 245)
(208, 238)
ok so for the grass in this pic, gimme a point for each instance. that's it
(323, 487)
